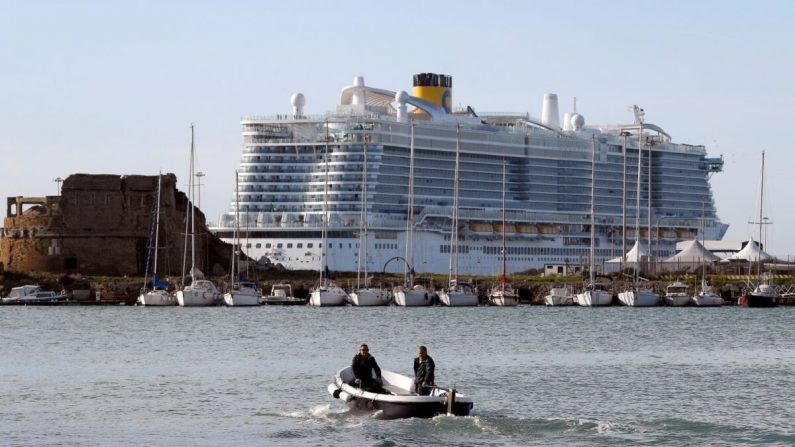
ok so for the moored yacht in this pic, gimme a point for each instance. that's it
(243, 293)
(157, 295)
(595, 294)
(706, 297)
(370, 296)
(200, 292)
(562, 296)
(676, 294)
(414, 296)
(458, 294)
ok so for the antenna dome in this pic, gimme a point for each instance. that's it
(298, 100)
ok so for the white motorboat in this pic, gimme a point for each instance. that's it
(281, 294)
(412, 297)
(707, 297)
(158, 295)
(245, 293)
(200, 292)
(31, 294)
(676, 294)
(639, 297)
(397, 399)
(370, 296)
(595, 294)
(560, 296)
(458, 294)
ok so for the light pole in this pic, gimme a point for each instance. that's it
(199, 176)
(58, 180)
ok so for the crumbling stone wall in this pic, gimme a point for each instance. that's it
(100, 225)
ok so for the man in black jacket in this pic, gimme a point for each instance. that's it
(363, 366)
(423, 372)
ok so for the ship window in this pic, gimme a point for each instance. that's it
(248, 245)
(340, 244)
(268, 245)
(300, 245)
(349, 245)
(309, 245)
(279, 245)
(329, 245)
(289, 245)
(258, 245)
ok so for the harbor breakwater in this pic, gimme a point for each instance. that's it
(111, 290)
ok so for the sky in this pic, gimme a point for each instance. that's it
(112, 87)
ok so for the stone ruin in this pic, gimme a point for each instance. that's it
(100, 225)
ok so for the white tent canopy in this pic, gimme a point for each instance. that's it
(635, 254)
(750, 253)
(693, 253)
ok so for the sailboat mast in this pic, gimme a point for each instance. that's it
(504, 251)
(593, 209)
(236, 257)
(453, 272)
(192, 210)
(703, 260)
(323, 222)
(636, 264)
(157, 231)
(625, 134)
(410, 214)
(761, 204)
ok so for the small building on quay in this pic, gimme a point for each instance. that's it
(101, 225)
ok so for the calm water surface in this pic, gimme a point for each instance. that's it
(258, 376)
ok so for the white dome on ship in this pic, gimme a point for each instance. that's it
(577, 121)
(298, 100)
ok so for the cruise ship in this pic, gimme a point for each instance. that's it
(302, 182)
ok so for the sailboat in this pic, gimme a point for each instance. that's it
(706, 296)
(200, 292)
(364, 295)
(326, 293)
(594, 293)
(764, 294)
(503, 293)
(411, 294)
(158, 295)
(637, 296)
(243, 293)
(457, 293)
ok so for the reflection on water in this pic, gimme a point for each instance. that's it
(539, 376)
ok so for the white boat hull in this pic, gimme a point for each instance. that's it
(156, 298)
(639, 298)
(370, 297)
(708, 299)
(593, 298)
(331, 296)
(676, 300)
(240, 298)
(504, 300)
(412, 298)
(192, 297)
(458, 299)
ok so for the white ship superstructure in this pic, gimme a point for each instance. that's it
(548, 184)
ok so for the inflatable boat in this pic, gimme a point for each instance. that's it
(396, 398)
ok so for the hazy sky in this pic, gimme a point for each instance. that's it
(112, 87)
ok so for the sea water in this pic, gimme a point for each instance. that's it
(130, 376)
